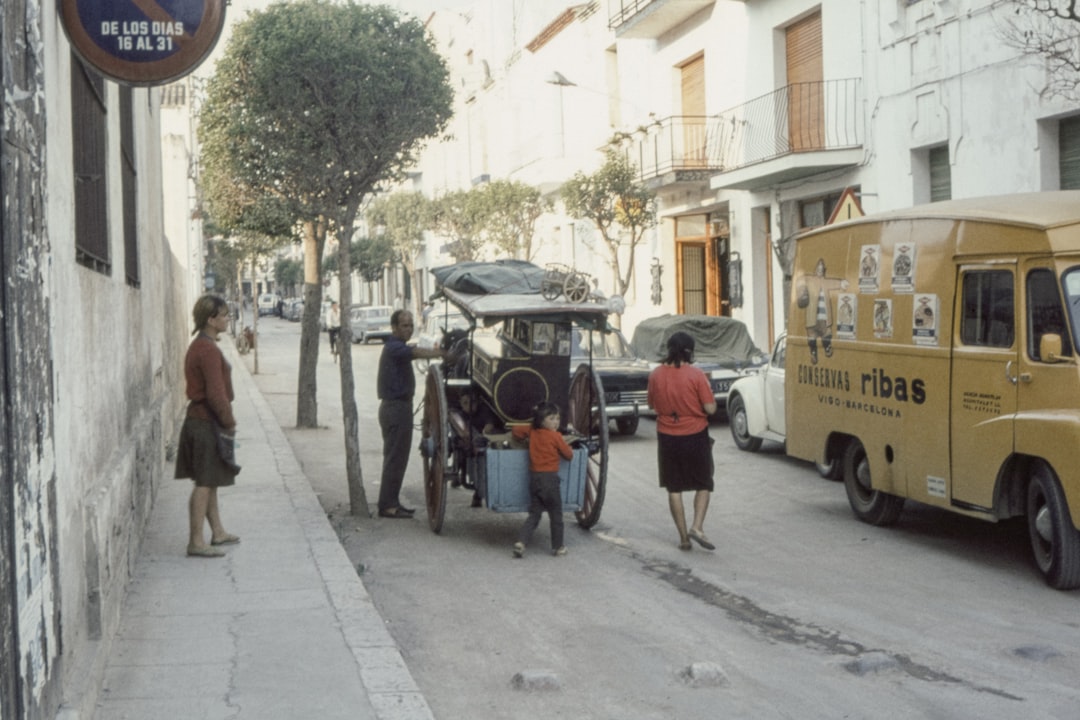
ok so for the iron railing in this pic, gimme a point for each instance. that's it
(623, 10)
(802, 117)
(679, 142)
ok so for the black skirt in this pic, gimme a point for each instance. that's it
(197, 455)
(685, 461)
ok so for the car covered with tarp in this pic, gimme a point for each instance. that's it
(723, 348)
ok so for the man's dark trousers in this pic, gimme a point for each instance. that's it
(396, 421)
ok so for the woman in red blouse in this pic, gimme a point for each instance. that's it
(209, 390)
(683, 401)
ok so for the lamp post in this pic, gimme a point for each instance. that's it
(557, 78)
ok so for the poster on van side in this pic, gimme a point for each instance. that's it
(847, 305)
(903, 269)
(870, 269)
(882, 318)
(924, 319)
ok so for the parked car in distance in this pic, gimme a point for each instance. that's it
(623, 375)
(294, 309)
(723, 348)
(267, 303)
(755, 408)
(370, 322)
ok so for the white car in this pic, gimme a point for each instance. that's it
(755, 408)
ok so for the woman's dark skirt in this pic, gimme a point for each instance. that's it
(685, 461)
(197, 456)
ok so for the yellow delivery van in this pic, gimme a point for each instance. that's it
(932, 352)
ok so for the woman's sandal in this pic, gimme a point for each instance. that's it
(205, 551)
(700, 539)
(226, 539)
(686, 545)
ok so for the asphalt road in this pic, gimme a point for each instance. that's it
(802, 612)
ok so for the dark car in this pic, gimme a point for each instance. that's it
(625, 376)
(723, 347)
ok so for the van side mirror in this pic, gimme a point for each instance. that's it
(1050, 348)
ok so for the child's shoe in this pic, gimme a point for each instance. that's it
(519, 549)
(560, 552)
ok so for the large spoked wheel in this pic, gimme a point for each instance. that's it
(549, 290)
(576, 287)
(869, 505)
(434, 438)
(739, 425)
(1055, 542)
(588, 414)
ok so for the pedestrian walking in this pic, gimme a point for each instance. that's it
(333, 328)
(683, 401)
(396, 387)
(546, 446)
(200, 456)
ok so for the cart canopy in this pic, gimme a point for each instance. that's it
(490, 292)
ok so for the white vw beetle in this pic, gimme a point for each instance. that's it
(755, 408)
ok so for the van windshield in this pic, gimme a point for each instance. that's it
(1070, 282)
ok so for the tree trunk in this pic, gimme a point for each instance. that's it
(307, 407)
(254, 319)
(350, 421)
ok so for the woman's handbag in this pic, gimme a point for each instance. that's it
(226, 447)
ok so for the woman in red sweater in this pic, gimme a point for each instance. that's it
(210, 392)
(683, 401)
(546, 446)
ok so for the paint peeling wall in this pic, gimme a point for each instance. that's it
(91, 384)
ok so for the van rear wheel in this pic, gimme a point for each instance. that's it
(869, 505)
(1055, 541)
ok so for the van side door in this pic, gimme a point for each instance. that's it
(984, 373)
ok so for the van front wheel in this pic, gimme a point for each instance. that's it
(869, 505)
(1055, 542)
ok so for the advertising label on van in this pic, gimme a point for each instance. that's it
(931, 352)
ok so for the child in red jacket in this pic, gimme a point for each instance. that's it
(546, 446)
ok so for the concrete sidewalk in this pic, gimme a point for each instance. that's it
(281, 627)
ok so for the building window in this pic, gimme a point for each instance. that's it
(1069, 153)
(940, 174)
(129, 187)
(88, 137)
(814, 212)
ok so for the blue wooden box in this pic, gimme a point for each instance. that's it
(505, 482)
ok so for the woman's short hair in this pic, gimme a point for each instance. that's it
(205, 308)
(680, 349)
(541, 411)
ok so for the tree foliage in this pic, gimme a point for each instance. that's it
(621, 207)
(401, 219)
(1050, 29)
(314, 103)
(461, 216)
(511, 209)
(288, 273)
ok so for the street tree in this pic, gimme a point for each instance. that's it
(461, 216)
(369, 257)
(512, 209)
(619, 205)
(320, 102)
(402, 219)
(1050, 29)
(288, 273)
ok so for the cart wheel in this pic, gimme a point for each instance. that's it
(434, 439)
(576, 287)
(587, 412)
(549, 290)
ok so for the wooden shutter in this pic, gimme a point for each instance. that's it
(88, 131)
(693, 110)
(805, 75)
(1069, 153)
(940, 174)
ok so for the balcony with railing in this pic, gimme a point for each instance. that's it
(671, 151)
(650, 18)
(794, 132)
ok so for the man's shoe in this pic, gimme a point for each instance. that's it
(396, 514)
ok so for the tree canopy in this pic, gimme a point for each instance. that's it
(620, 206)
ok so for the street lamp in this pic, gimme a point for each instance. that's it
(557, 78)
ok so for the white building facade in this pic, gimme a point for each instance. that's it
(749, 120)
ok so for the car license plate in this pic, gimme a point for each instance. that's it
(721, 386)
(611, 396)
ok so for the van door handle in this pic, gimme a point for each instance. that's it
(1025, 377)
